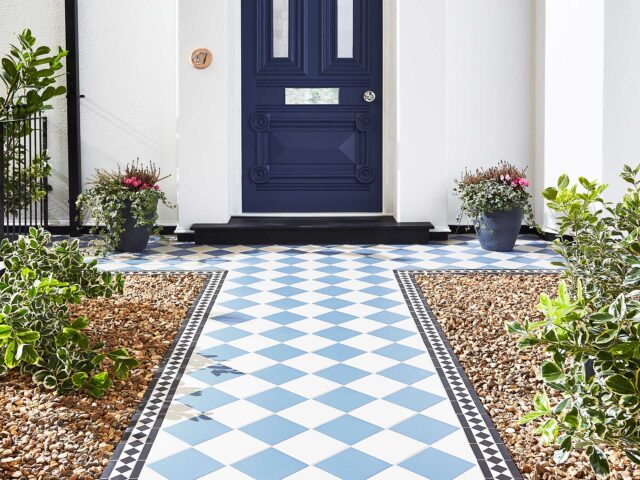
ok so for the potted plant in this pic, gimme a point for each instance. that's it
(497, 201)
(123, 206)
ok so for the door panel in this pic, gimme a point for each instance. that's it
(311, 142)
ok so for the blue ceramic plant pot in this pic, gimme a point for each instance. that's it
(498, 231)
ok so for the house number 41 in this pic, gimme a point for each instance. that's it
(201, 57)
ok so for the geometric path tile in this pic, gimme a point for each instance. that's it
(314, 362)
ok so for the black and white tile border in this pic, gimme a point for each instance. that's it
(130, 455)
(491, 454)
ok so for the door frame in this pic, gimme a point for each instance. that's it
(389, 116)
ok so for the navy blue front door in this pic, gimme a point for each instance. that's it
(312, 105)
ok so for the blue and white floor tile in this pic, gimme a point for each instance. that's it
(309, 362)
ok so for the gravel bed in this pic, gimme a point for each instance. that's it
(44, 436)
(473, 311)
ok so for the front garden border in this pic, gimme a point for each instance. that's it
(131, 453)
(492, 455)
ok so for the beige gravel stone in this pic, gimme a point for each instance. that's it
(473, 311)
(44, 436)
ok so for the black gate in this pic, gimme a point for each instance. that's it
(24, 165)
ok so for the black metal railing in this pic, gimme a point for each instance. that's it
(24, 167)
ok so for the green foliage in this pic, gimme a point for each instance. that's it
(29, 74)
(113, 193)
(37, 333)
(595, 321)
(496, 189)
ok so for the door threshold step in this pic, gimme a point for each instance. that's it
(316, 230)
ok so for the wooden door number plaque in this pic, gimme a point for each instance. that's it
(201, 57)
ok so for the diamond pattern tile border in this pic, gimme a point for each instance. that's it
(130, 455)
(491, 453)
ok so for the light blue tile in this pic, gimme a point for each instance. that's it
(207, 399)
(286, 303)
(269, 465)
(392, 333)
(284, 318)
(382, 303)
(405, 373)
(288, 280)
(353, 465)
(387, 317)
(333, 291)
(278, 374)
(349, 429)
(276, 399)
(282, 334)
(436, 465)
(334, 303)
(335, 317)
(222, 352)
(345, 399)
(424, 429)
(414, 399)
(339, 352)
(287, 291)
(281, 352)
(273, 429)
(228, 334)
(212, 375)
(398, 352)
(186, 465)
(337, 334)
(197, 430)
(238, 304)
(342, 374)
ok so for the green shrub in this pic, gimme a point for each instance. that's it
(591, 331)
(37, 333)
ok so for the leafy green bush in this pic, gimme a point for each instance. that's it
(591, 331)
(37, 333)
(29, 74)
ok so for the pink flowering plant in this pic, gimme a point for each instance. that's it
(495, 189)
(135, 190)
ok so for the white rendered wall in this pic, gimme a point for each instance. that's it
(490, 87)
(128, 77)
(465, 97)
(421, 175)
(45, 18)
(621, 92)
(573, 92)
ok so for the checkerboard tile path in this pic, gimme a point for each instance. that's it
(311, 364)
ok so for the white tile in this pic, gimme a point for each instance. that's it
(311, 447)
(399, 473)
(239, 414)
(250, 362)
(363, 325)
(244, 386)
(390, 446)
(310, 386)
(310, 325)
(164, 446)
(232, 447)
(371, 362)
(311, 414)
(377, 386)
(310, 343)
(310, 362)
(312, 473)
(226, 473)
(382, 413)
(456, 444)
(368, 343)
(253, 343)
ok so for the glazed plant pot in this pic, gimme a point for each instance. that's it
(498, 231)
(134, 238)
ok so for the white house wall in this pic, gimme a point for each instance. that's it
(621, 92)
(548, 84)
(128, 76)
(45, 18)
